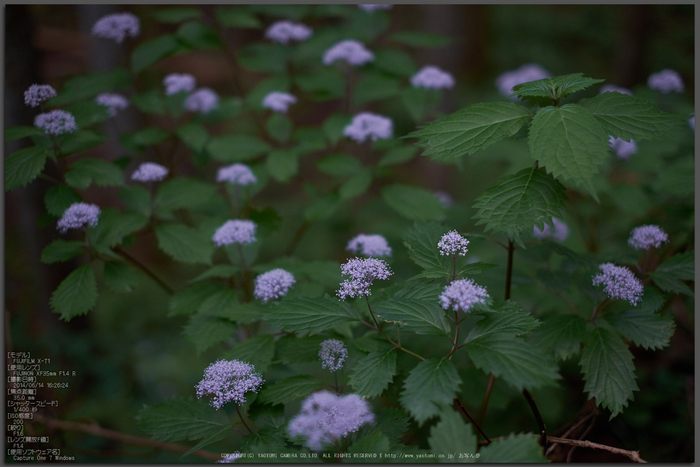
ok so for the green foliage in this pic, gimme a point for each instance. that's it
(513, 449)
(87, 86)
(608, 370)
(413, 203)
(309, 314)
(554, 88)
(113, 226)
(373, 373)
(451, 436)
(420, 316)
(23, 166)
(647, 329)
(561, 335)
(187, 300)
(421, 39)
(670, 274)
(87, 171)
(137, 141)
(182, 192)
(236, 17)
(153, 51)
(421, 242)
(289, 389)
(258, 351)
(120, 277)
(184, 243)
(510, 320)
(432, 382)
(76, 295)
(205, 331)
(13, 133)
(293, 349)
(61, 250)
(282, 165)
(236, 148)
(182, 419)
(176, 14)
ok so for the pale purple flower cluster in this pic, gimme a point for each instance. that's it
(150, 172)
(524, 74)
(622, 148)
(362, 273)
(619, 282)
(230, 458)
(369, 245)
(285, 31)
(647, 236)
(369, 7)
(691, 122)
(179, 82)
(77, 215)
(666, 81)
(333, 353)
(278, 101)
(614, 88)
(461, 295)
(38, 93)
(353, 52)
(117, 26)
(235, 231)
(326, 417)
(236, 174)
(56, 122)
(558, 233)
(273, 284)
(453, 244)
(368, 125)
(432, 77)
(229, 381)
(203, 100)
(114, 102)
(445, 198)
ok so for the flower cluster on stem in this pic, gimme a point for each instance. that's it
(333, 353)
(369, 245)
(117, 26)
(362, 273)
(77, 215)
(647, 236)
(619, 282)
(229, 381)
(235, 231)
(273, 284)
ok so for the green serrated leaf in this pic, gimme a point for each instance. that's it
(569, 142)
(194, 135)
(120, 277)
(113, 226)
(13, 133)
(420, 316)
(608, 371)
(394, 62)
(413, 203)
(514, 449)
(429, 292)
(670, 274)
(61, 250)
(88, 113)
(137, 199)
(137, 141)
(292, 349)
(80, 141)
(452, 436)
(151, 52)
(321, 84)
(279, 127)
(205, 331)
(421, 241)
(554, 88)
(309, 314)
(267, 415)
(271, 58)
(649, 330)
(183, 192)
(333, 128)
(220, 270)
(520, 364)
(373, 373)
(511, 321)
(151, 102)
(289, 389)
(87, 171)
(630, 117)
(397, 155)
(182, 419)
(468, 130)
(184, 243)
(188, 300)
(266, 440)
(76, 294)
(518, 202)
(23, 166)
(258, 351)
(375, 442)
(432, 382)
(560, 335)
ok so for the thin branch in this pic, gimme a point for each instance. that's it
(145, 269)
(569, 431)
(538, 417)
(488, 441)
(240, 415)
(485, 400)
(96, 430)
(633, 455)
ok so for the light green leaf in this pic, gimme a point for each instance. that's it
(375, 86)
(421, 39)
(451, 436)
(187, 300)
(61, 250)
(309, 314)
(257, 351)
(560, 335)
(520, 364)
(184, 243)
(236, 148)
(518, 202)
(670, 274)
(292, 349)
(630, 117)
(23, 166)
(420, 316)
(339, 165)
(413, 203)
(373, 373)
(607, 368)
(176, 14)
(356, 185)
(421, 241)
(120, 277)
(182, 419)
(83, 87)
(151, 52)
(87, 171)
(137, 199)
(569, 142)
(282, 164)
(205, 331)
(76, 294)
(432, 382)
(554, 88)
(514, 449)
(236, 17)
(649, 330)
(468, 130)
(289, 389)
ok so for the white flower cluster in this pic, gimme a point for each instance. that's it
(235, 231)
(38, 93)
(285, 31)
(150, 172)
(368, 125)
(614, 88)
(362, 273)
(179, 82)
(623, 149)
(647, 236)
(273, 284)
(236, 174)
(56, 122)
(203, 100)
(369, 245)
(666, 81)
(453, 244)
(114, 102)
(558, 233)
(353, 52)
(432, 77)
(369, 7)
(461, 295)
(278, 101)
(117, 26)
(77, 215)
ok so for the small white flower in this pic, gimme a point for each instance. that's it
(369, 245)
(353, 52)
(453, 244)
(235, 231)
(273, 284)
(203, 100)
(150, 172)
(117, 26)
(647, 236)
(278, 101)
(285, 31)
(177, 82)
(368, 125)
(559, 233)
(77, 215)
(524, 74)
(38, 93)
(236, 174)
(432, 77)
(114, 102)
(622, 148)
(56, 122)
(369, 7)
(614, 88)
(666, 81)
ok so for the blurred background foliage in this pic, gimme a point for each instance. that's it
(127, 353)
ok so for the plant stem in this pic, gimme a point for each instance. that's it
(538, 417)
(633, 455)
(472, 420)
(145, 269)
(297, 238)
(240, 415)
(485, 400)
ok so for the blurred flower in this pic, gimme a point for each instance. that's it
(230, 458)
(278, 101)
(228, 381)
(368, 125)
(236, 174)
(461, 295)
(203, 100)
(56, 122)
(524, 74)
(647, 236)
(369, 245)
(369, 7)
(614, 88)
(38, 93)
(619, 282)
(453, 244)
(622, 148)
(558, 233)
(666, 81)
(273, 284)
(117, 26)
(179, 82)
(691, 122)
(235, 231)
(432, 77)
(77, 215)
(353, 52)
(445, 198)
(114, 102)
(362, 273)
(325, 417)
(285, 31)
(150, 172)
(332, 354)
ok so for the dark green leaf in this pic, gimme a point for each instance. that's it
(279, 127)
(220, 270)
(560, 335)
(282, 164)
(151, 102)
(184, 243)
(270, 58)
(419, 316)
(76, 294)
(235, 148)
(13, 133)
(187, 300)
(289, 389)
(554, 88)
(339, 165)
(176, 14)
(138, 140)
(375, 443)
(293, 349)
(80, 141)
(182, 419)
(257, 351)
(61, 250)
(649, 330)
(421, 241)
(432, 382)
(205, 331)
(451, 436)
(322, 208)
(113, 226)
(198, 36)
(356, 185)
(373, 373)
(421, 39)
(137, 199)
(120, 277)
(513, 449)
(321, 84)
(87, 86)
(183, 192)
(236, 17)
(309, 314)
(87, 171)
(23, 166)
(194, 135)
(334, 126)
(397, 155)
(375, 86)
(151, 52)
(413, 203)
(670, 274)
(88, 113)
(395, 62)
(511, 321)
